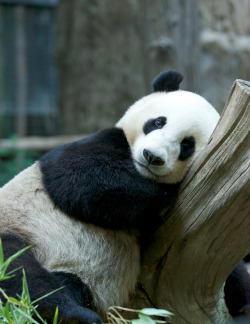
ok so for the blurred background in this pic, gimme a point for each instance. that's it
(71, 67)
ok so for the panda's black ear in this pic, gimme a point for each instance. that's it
(167, 81)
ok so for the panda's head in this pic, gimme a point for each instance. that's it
(167, 129)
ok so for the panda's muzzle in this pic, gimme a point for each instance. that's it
(152, 159)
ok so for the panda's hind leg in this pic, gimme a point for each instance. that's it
(73, 301)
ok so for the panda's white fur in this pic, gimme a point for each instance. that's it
(27, 209)
(108, 261)
(187, 113)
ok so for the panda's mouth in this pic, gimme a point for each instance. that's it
(145, 167)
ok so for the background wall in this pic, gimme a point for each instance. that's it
(107, 53)
(225, 47)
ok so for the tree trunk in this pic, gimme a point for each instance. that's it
(192, 254)
(109, 51)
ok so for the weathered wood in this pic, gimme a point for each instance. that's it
(37, 143)
(192, 254)
(22, 86)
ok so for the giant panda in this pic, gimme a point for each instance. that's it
(85, 207)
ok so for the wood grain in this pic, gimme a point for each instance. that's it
(192, 254)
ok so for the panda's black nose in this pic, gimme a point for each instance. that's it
(152, 159)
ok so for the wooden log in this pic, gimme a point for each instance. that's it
(36, 143)
(191, 255)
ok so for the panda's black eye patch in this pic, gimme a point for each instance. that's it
(187, 147)
(154, 124)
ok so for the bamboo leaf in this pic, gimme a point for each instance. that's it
(156, 312)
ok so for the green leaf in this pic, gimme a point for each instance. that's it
(138, 321)
(146, 319)
(38, 315)
(13, 300)
(155, 312)
(26, 316)
(6, 277)
(143, 319)
(7, 311)
(56, 317)
(25, 293)
(14, 256)
(13, 314)
(50, 293)
(6, 263)
(1, 253)
(12, 271)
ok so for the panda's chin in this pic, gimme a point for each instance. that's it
(146, 172)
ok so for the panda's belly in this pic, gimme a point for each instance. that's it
(108, 261)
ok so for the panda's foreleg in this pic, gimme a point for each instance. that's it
(70, 300)
(237, 291)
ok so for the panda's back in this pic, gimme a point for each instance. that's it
(108, 261)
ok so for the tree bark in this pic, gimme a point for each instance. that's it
(191, 255)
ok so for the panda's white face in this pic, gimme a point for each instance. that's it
(166, 131)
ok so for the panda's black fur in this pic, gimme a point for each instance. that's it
(91, 181)
(74, 300)
(237, 292)
(95, 181)
(167, 81)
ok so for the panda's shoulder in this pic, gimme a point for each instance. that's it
(94, 174)
(96, 147)
(85, 167)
